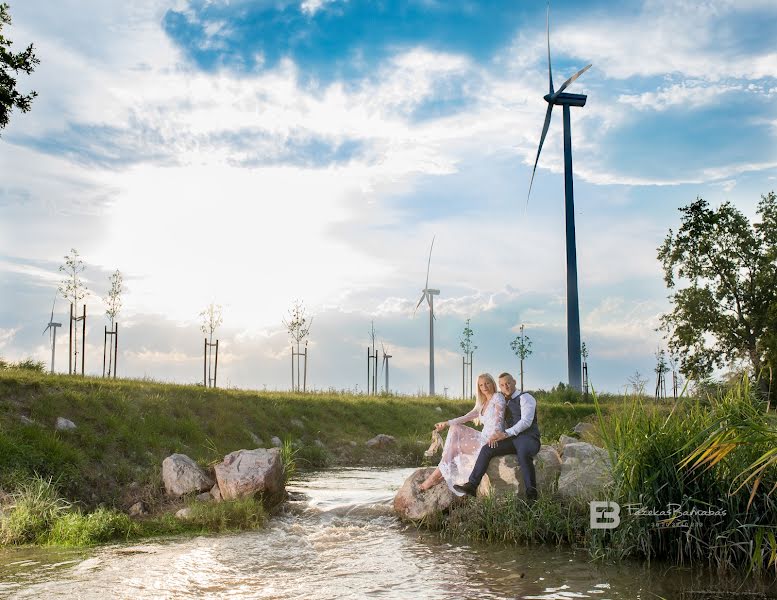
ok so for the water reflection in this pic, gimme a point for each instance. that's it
(338, 539)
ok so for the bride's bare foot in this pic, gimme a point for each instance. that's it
(430, 481)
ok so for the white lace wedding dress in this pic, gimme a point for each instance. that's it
(463, 443)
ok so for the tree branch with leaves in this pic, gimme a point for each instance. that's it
(11, 64)
(727, 310)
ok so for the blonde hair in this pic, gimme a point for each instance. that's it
(481, 399)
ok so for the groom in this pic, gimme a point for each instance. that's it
(521, 437)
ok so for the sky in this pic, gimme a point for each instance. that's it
(258, 153)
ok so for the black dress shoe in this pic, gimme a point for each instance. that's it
(466, 488)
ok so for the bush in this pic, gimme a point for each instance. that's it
(103, 525)
(28, 364)
(227, 515)
(35, 506)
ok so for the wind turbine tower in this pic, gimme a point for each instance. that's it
(52, 326)
(429, 295)
(385, 364)
(565, 100)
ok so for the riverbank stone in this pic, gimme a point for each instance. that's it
(64, 424)
(586, 470)
(381, 441)
(139, 509)
(411, 504)
(184, 513)
(504, 473)
(181, 475)
(216, 493)
(250, 472)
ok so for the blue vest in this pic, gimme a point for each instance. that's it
(514, 404)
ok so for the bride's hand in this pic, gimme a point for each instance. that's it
(440, 426)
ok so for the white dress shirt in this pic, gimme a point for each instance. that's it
(528, 407)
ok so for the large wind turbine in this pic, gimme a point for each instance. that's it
(429, 295)
(53, 335)
(559, 97)
(385, 363)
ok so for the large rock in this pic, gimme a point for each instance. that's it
(182, 475)
(504, 474)
(413, 505)
(381, 441)
(64, 424)
(585, 471)
(563, 440)
(250, 472)
(585, 430)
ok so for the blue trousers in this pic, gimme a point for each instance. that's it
(524, 447)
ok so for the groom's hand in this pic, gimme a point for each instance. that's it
(496, 438)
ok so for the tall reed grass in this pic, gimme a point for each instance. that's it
(708, 463)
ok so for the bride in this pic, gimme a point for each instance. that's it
(463, 443)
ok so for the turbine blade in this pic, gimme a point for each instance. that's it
(47, 328)
(550, 71)
(542, 141)
(570, 80)
(429, 263)
(419, 302)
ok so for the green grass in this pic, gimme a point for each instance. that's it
(125, 429)
(37, 514)
(692, 455)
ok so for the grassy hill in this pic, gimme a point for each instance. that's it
(125, 428)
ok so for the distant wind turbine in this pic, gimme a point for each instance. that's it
(385, 363)
(429, 295)
(559, 97)
(53, 334)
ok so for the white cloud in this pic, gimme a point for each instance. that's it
(7, 336)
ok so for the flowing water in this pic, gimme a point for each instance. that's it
(337, 538)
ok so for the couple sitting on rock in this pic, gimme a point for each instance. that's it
(509, 422)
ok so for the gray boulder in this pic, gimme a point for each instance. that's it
(216, 493)
(205, 496)
(413, 505)
(381, 441)
(504, 473)
(564, 440)
(138, 509)
(585, 471)
(276, 441)
(184, 513)
(64, 424)
(250, 472)
(181, 475)
(585, 429)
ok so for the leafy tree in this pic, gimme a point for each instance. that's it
(298, 327)
(113, 301)
(113, 305)
(211, 320)
(469, 349)
(10, 66)
(727, 311)
(522, 348)
(73, 289)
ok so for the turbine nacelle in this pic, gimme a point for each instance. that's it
(566, 99)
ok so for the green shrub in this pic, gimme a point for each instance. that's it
(100, 526)
(29, 364)
(227, 515)
(36, 504)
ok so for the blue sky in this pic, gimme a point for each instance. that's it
(255, 152)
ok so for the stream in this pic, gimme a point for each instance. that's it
(337, 538)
